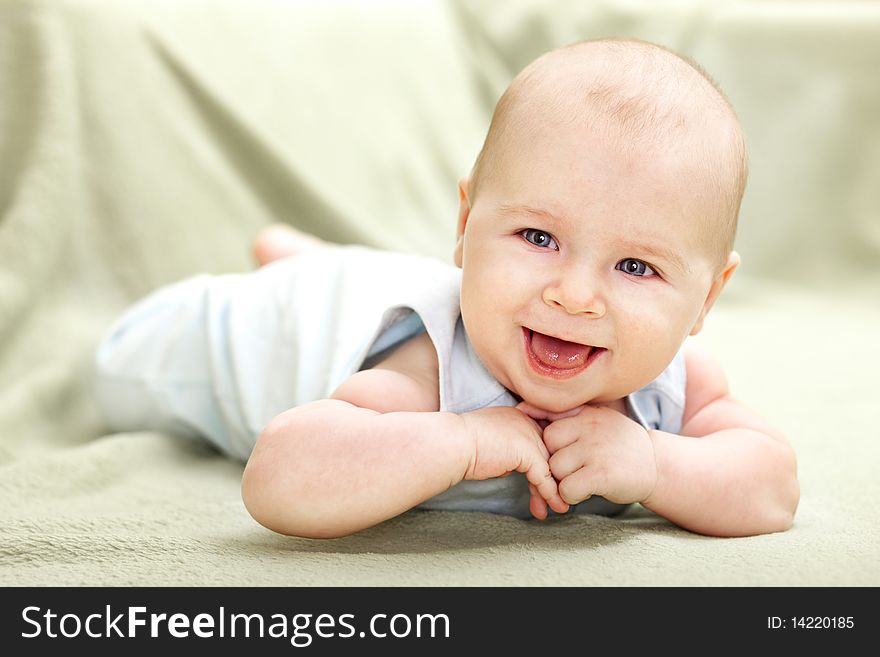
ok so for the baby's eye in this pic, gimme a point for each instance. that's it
(539, 238)
(635, 267)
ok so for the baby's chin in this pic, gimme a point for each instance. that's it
(554, 404)
(561, 401)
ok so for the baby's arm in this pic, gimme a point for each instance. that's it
(380, 447)
(729, 473)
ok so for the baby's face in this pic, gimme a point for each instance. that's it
(584, 270)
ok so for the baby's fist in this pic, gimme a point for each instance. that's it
(505, 440)
(600, 451)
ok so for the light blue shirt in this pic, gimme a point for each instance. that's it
(218, 357)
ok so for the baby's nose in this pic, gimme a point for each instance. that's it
(575, 298)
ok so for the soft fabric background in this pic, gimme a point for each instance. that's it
(144, 141)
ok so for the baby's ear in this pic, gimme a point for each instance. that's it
(464, 210)
(714, 291)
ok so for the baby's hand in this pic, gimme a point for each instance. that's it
(506, 440)
(598, 451)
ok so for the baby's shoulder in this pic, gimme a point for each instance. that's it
(416, 358)
(706, 380)
(407, 379)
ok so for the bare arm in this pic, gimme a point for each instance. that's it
(729, 473)
(336, 466)
(330, 468)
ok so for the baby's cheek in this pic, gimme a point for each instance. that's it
(648, 346)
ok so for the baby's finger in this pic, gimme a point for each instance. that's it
(537, 505)
(532, 411)
(578, 486)
(558, 504)
(539, 475)
(560, 435)
(539, 443)
(567, 461)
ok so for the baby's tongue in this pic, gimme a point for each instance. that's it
(559, 353)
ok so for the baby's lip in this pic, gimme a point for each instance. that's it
(556, 357)
(562, 337)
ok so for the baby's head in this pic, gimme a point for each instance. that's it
(596, 228)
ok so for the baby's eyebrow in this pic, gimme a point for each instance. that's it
(658, 251)
(526, 209)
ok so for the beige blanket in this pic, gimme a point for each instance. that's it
(143, 141)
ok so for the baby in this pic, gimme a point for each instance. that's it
(595, 232)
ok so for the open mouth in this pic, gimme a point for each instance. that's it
(558, 358)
